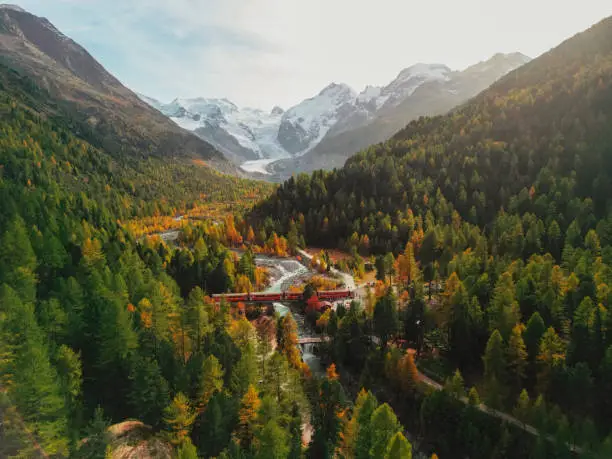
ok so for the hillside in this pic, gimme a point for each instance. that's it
(89, 316)
(120, 120)
(146, 185)
(494, 223)
(545, 123)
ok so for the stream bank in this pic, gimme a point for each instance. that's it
(285, 272)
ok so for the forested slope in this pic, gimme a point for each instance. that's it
(88, 317)
(152, 185)
(545, 124)
(506, 204)
(122, 123)
(97, 328)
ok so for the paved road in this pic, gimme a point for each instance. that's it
(498, 414)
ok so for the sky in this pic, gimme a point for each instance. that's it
(262, 53)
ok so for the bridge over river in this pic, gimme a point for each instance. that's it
(313, 340)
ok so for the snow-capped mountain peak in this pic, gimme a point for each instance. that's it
(304, 125)
(426, 71)
(240, 133)
(410, 79)
(323, 105)
(404, 85)
(203, 106)
(337, 90)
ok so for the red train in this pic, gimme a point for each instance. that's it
(335, 294)
(284, 296)
(292, 296)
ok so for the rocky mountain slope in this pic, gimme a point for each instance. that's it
(241, 134)
(246, 134)
(324, 130)
(122, 123)
(421, 90)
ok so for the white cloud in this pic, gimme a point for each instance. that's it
(267, 52)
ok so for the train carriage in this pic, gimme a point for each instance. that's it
(265, 297)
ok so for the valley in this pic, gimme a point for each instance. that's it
(420, 270)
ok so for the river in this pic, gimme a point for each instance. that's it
(285, 272)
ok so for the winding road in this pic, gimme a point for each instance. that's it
(505, 417)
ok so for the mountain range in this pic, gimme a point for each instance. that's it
(324, 130)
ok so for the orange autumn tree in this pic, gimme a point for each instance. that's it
(247, 417)
(288, 340)
(243, 284)
(179, 417)
(321, 283)
(250, 235)
(146, 313)
(331, 373)
(407, 267)
(380, 289)
(418, 235)
(233, 236)
(276, 245)
(261, 277)
(408, 374)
